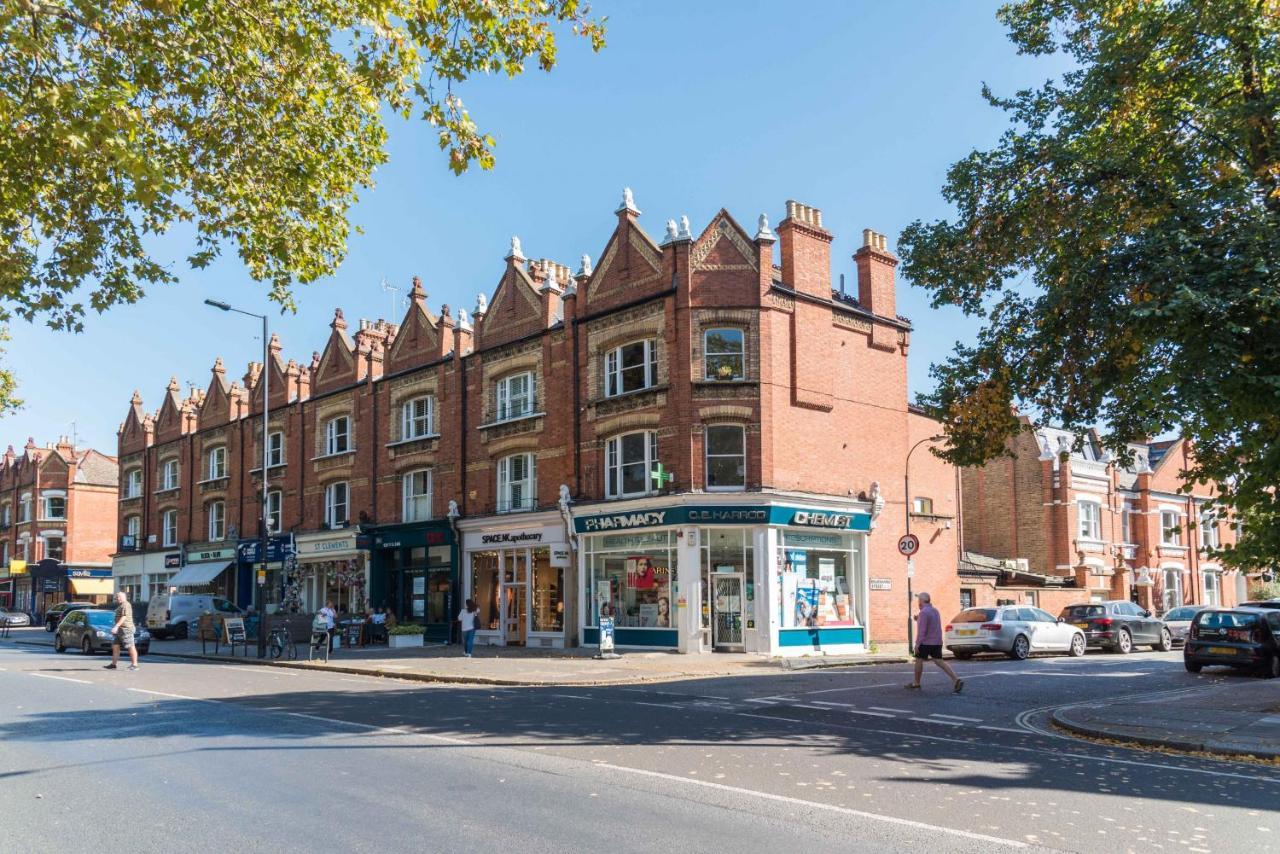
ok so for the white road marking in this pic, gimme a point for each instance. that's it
(817, 805)
(933, 721)
(62, 678)
(870, 714)
(956, 718)
(573, 696)
(826, 703)
(164, 694)
(641, 703)
(887, 709)
(1005, 729)
(850, 688)
(760, 700)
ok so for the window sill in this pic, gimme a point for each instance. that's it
(334, 456)
(212, 480)
(625, 495)
(272, 467)
(51, 519)
(122, 498)
(424, 437)
(512, 420)
(742, 488)
(1173, 547)
(166, 489)
(734, 381)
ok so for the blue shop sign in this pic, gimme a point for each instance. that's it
(278, 549)
(725, 515)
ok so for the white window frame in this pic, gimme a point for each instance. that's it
(415, 425)
(714, 375)
(170, 473)
(337, 512)
(707, 457)
(216, 463)
(615, 372)
(44, 546)
(169, 527)
(133, 483)
(1172, 596)
(275, 448)
(415, 506)
(6, 515)
(614, 464)
(1090, 521)
(922, 505)
(1210, 535)
(511, 405)
(133, 528)
(1171, 535)
(1211, 583)
(24, 508)
(527, 485)
(337, 441)
(24, 540)
(217, 516)
(275, 510)
(45, 498)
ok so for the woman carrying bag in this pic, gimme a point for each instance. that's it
(469, 618)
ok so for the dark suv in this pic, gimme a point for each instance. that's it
(1244, 638)
(1118, 625)
(55, 614)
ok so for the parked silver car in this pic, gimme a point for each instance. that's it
(14, 619)
(1178, 621)
(1015, 630)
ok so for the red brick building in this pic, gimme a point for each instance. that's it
(697, 442)
(57, 525)
(1056, 512)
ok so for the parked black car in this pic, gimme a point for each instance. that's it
(1243, 638)
(1118, 625)
(55, 614)
(1265, 603)
(89, 630)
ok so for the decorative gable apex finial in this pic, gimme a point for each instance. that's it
(628, 202)
(764, 232)
(584, 267)
(671, 232)
(685, 234)
(515, 252)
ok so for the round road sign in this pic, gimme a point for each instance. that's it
(909, 544)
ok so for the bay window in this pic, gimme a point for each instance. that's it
(723, 357)
(629, 460)
(726, 458)
(517, 483)
(417, 496)
(336, 504)
(631, 367)
(417, 418)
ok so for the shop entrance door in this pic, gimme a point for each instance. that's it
(516, 613)
(726, 612)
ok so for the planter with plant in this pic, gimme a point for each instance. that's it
(405, 635)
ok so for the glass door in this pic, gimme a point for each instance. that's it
(515, 599)
(726, 616)
(415, 594)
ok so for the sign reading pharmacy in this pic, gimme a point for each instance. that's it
(724, 515)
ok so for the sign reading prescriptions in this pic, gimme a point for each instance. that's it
(908, 544)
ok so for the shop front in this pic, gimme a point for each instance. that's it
(518, 577)
(48, 582)
(205, 570)
(331, 566)
(141, 575)
(414, 576)
(280, 554)
(766, 578)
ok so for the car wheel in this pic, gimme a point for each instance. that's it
(1166, 641)
(58, 645)
(181, 631)
(962, 656)
(86, 647)
(1271, 670)
(1021, 648)
(1124, 643)
(1192, 666)
(1077, 646)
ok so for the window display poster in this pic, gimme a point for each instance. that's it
(419, 606)
(641, 573)
(419, 585)
(827, 572)
(795, 560)
(649, 615)
(806, 602)
(604, 595)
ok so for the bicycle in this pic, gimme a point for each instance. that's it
(280, 642)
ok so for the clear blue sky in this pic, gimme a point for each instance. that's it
(856, 108)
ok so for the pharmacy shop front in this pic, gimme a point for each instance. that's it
(772, 579)
(518, 575)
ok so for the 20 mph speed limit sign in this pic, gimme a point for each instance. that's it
(909, 544)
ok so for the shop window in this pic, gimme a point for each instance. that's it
(159, 583)
(275, 507)
(1209, 530)
(170, 527)
(217, 464)
(54, 548)
(922, 506)
(55, 506)
(631, 577)
(275, 449)
(417, 418)
(726, 458)
(217, 511)
(337, 435)
(517, 483)
(336, 504)
(821, 573)
(548, 593)
(1170, 528)
(132, 484)
(629, 461)
(631, 367)
(727, 550)
(169, 474)
(723, 357)
(515, 396)
(966, 598)
(1090, 520)
(416, 486)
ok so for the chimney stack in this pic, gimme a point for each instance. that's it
(806, 251)
(876, 289)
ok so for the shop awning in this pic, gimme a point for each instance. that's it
(195, 574)
(92, 586)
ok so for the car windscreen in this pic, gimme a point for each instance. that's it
(101, 619)
(975, 615)
(1226, 620)
(1178, 614)
(1083, 612)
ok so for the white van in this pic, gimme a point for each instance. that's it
(174, 615)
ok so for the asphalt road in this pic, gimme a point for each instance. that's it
(239, 758)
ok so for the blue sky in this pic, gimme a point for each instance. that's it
(856, 108)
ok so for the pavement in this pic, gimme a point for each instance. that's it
(282, 760)
(1242, 721)
(513, 665)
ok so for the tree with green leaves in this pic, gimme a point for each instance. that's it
(253, 122)
(1121, 243)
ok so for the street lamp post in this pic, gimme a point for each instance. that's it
(906, 503)
(265, 521)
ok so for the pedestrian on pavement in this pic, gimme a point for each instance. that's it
(328, 615)
(469, 618)
(929, 644)
(122, 633)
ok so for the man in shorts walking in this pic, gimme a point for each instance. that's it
(122, 633)
(929, 644)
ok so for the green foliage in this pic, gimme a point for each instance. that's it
(255, 122)
(405, 629)
(1122, 243)
(8, 383)
(1260, 591)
